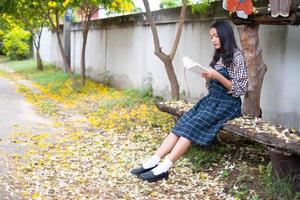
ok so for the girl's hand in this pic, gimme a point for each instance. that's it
(211, 74)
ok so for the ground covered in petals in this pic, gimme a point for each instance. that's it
(103, 133)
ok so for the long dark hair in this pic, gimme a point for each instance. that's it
(227, 40)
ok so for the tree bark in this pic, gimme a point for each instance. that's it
(172, 77)
(39, 60)
(37, 44)
(87, 12)
(62, 50)
(85, 30)
(256, 68)
(65, 59)
(61, 47)
(66, 39)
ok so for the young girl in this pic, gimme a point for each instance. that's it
(226, 82)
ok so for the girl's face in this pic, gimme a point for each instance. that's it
(215, 40)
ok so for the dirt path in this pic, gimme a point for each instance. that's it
(16, 115)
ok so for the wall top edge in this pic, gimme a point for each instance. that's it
(164, 16)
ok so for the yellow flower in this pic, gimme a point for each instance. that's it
(52, 4)
(66, 3)
(35, 195)
(114, 5)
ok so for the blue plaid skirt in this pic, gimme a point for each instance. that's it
(205, 119)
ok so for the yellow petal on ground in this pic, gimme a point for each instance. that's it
(35, 196)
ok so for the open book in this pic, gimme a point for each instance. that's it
(193, 66)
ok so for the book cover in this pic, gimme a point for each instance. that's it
(193, 66)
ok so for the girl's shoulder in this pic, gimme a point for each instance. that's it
(238, 52)
(238, 55)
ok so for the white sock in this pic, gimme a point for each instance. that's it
(163, 167)
(151, 162)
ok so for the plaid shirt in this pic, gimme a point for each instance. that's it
(237, 72)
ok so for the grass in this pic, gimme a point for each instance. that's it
(4, 59)
(50, 74)
(201, 157)
(276, 189)
(56, 79)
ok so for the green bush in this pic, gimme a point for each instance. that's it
(1, 41)
(16, 44)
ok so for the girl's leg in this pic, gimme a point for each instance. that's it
(179, 149)
(167, 145)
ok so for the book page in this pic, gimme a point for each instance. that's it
(193, 66)
(197, 69)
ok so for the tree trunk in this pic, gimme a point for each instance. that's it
(37, 44)
(256, 68)
(65, 59)
(85, 30)
(172, 78)
(66, 40)
(62, 51)
(39, 60)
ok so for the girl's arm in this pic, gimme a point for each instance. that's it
(213, 74)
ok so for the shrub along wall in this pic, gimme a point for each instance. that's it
(16, 44)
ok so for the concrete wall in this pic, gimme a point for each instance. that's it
(281, 92)
(124, 47)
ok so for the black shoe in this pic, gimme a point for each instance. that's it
(150, 177)
(140, 170)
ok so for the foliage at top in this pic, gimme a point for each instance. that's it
(121, 6)
(169, 3)
(115, 5)
(7, 6)
(202, 7)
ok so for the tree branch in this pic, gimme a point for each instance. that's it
(40, 34)
(158, 50)
(179, 29)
